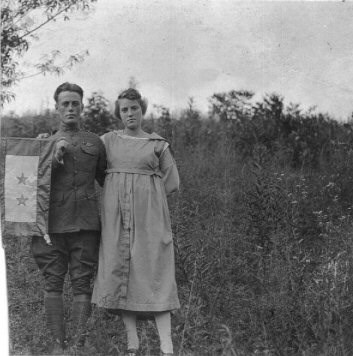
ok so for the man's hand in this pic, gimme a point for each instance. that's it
(43, 135)
(47, 239)
(60, 149)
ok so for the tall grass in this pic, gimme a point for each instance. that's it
(263, 239)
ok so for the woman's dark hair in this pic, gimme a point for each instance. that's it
(131, 94)
(68, 87)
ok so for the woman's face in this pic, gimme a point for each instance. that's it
(130, 113)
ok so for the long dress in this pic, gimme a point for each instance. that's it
(136, 268)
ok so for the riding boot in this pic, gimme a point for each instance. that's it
(81, 311)
(54, 310)
(348, 331)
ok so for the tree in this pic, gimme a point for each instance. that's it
(234, 105)
(133, 83)
(164, 122)
(29, 124)
(190, 120)
(20, 25)
(96, 115)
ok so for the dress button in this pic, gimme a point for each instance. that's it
(75, 159)
(75, 172)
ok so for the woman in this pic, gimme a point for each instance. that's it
(136, 272)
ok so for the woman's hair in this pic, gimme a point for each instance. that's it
(131, 94)
(68, 87)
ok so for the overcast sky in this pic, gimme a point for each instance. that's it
(177, 49)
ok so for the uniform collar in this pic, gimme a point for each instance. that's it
(69, 128)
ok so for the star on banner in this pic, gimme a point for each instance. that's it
(22, 179)
(22, 200)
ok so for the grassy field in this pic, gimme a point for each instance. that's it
(263, 234)
(263, 267)
(28, 333)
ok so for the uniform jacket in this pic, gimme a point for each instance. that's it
(73, 198)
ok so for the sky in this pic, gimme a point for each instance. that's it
(195, 48)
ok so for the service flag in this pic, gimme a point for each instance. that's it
(25, 166)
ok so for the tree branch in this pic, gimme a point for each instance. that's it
(60, 68)
(31, 75)
(45, 22)
(15, 22)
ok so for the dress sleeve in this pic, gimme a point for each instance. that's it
(169, 170)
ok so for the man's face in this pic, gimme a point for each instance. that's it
(69, 107)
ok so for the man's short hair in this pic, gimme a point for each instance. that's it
(68, 87)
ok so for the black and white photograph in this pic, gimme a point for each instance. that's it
(176, 178)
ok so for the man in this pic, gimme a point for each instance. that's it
(74, 227)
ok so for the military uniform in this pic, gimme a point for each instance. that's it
(74, 226)
(73, 199)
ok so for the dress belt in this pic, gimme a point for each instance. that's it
(134, 171)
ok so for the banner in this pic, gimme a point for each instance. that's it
(25, 174)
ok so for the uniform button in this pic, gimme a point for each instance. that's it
(75, 159)
(75, 188)
(75, 172)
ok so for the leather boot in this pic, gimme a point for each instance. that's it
(348, 331)
(81, 311)
(347, 343)
(54, 310)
